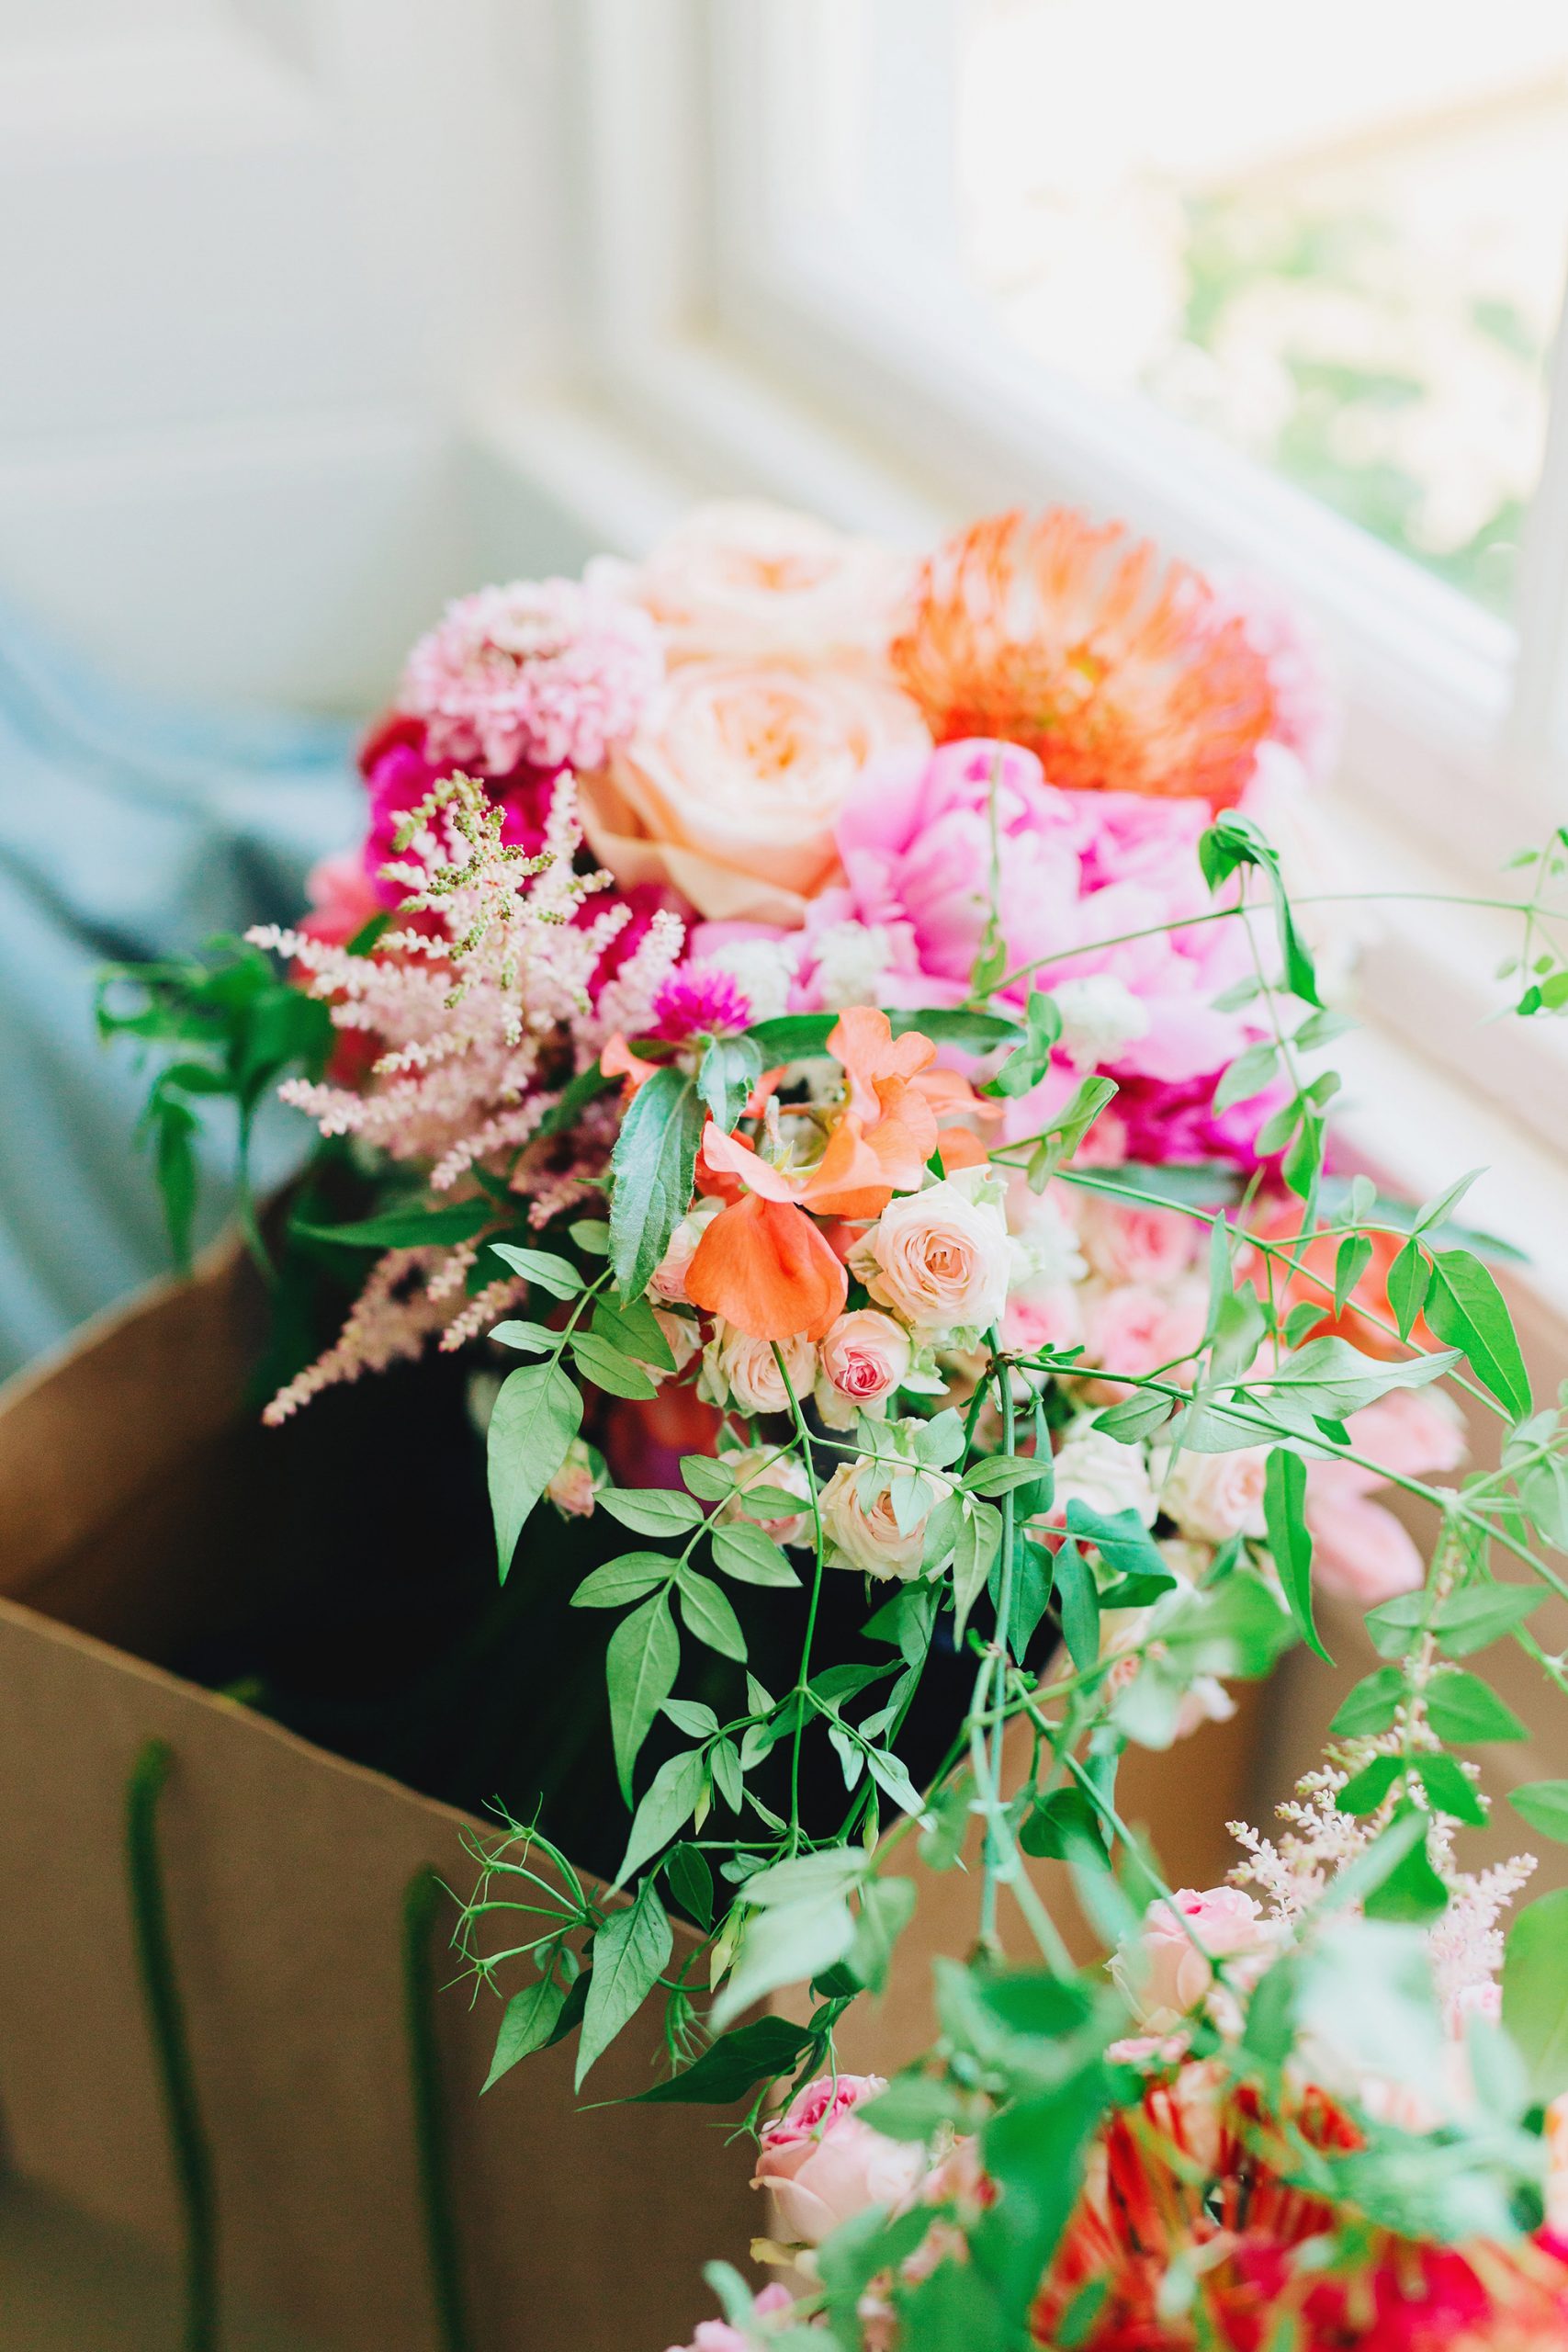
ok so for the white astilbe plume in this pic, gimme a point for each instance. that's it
(1293, 1871)
(483, 1012)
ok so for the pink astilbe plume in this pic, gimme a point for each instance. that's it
(482, 1015)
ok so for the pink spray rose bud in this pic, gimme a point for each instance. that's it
(577, 1481)
(823, 2165)
(863, 1358)
(1167, 1974)
(718, 2336)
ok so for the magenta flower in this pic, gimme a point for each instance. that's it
(700, 1001)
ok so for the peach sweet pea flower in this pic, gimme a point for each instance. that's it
(731, 787)
(1076, 643)
(763, 1265)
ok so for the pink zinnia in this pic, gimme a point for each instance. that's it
(699, 1001)
(544, 672)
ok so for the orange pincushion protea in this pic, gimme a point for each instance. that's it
(1075, 642)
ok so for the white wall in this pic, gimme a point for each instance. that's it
(256, 259)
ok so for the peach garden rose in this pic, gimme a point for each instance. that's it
(742, 577)
(866, 1536)
(730, 790)
(824, 2166)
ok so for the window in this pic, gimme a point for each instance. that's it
(1280, 287)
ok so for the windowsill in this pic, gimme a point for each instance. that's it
(567, 475)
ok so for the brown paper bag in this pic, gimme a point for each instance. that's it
(286, 1872)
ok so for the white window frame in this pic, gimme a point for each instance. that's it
(738, 338)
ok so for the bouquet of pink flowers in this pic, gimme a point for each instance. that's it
(839, 1026)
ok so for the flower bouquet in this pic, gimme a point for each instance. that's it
(832, 1042)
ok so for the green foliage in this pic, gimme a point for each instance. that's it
(1284, 1501)
(629, 1951)
(537, 1412)
(651, 1171)
(1535, 1992)
(222, 1027)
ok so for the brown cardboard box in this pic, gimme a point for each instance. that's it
(135, 1520)
(286, 1871)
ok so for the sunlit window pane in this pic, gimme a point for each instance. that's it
(1334, 236)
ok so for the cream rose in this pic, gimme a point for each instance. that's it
(730, 787)
(1091, 1468)
(1212, 1497)
(668, 1282)
(741, 577)
(740, 1370)
(866, 1536)
(863, 1358)
(763, 1465)
(940, 1259)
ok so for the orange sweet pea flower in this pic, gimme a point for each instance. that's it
(617, 1061)
(766, 1267)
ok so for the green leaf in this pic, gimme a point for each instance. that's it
(1412, 1890)
(627, 1579)
(651, 1511)
(788, 1943)
(694, 1717)
(629, 1951)
(794, 1037)
(1440, 1209)
(886, 1906)
(730, 2066)
(750, 1556)
(1449, 1790)
(975, 1546)
(975, 1032)
(606, 1366)
(651, 1171)
(729, 1778)
(526, 2025)
(668, 1804)
(1249, 1075)
(1464, 1709)
(1034, 1575)
(537, 1414)
(1120, 1537)
(1352, 1259)
(913, 2106)
(1079, 1603)
(406, 1229)
(729, 1069)
(892, 1777)
(1482, 1613)
(1135, 1418)
(541, 1268)
(635, 1331)
(528, 1338)
(1544, 1804)
(1001, 1473)
(1371, 1705)
(1535, 1992)
(574, 1099)
(591, 1236)
(1061, 1824)
(1284, 1500)
(709, 1615)
(641, 1665)
(713, 1480)
(1465, 1307)
(1407, 1280)
(690, 1881)
(1367, 1789)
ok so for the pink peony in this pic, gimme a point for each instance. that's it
(824, 2166)
(1166, 1972)
(1075, 870)
(544, 672)
(718, 2336)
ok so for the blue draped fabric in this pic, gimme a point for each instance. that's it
(128, 829)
